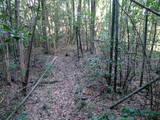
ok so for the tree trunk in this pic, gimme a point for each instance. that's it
(154, 39)
(44, 20)
(116, 44)
(6, 49)
(111, 42)
(144, 47)
(73, 18)
(56, 22)
(21, 46)
(78, 30)
(86, 26)
(25, 83)
(128, 69)
(92, 26)
(69, 23)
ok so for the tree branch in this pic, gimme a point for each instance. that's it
(145, 7)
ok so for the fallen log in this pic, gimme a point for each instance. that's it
(33, 88)
(134, 92)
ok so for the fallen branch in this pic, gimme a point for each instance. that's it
(134, 92)
(2, 99)
(49, 82)
(33, 88)
(147, 8)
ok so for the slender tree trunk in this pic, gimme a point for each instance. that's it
(78, 30)
(86, 26)
(112, 42)
(6, 49)
(73, 18)
(56, 22)
(44, 17)
(154, 39)
(21, 46)
(7, 61)
(116, 44)
(109, 22)
(25, 83)
(89, 17)
(70, 38)
(48, 30)
(92, 26)
(128, 69)
(144, 48)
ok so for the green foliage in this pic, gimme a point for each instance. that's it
(130, 113)
(45, 107)
(154, 4)
(6, 27)
(12, 66)
(81, 105)
(126, 118)
(94, 62)
(49, 72)
(22, 116)
(105, 117)
(134, 112)
(150, 113)
(94, 68)
(44, 38)
(16, 34)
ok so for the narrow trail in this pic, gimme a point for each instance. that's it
(56, 101)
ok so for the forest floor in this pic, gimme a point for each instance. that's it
(64, 94)
(55, 101)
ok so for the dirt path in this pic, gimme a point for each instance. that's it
(56, 101)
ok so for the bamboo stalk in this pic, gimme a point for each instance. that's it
(33, 88)
(134, 92)
(145, 7)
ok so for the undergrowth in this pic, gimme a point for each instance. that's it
(130, 113)
(95, 68)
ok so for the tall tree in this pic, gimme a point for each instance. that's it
(6, 49)
(56, 22)
(44, 21)
(154, 37)
(78, 30)
(73, 18)
(116, 43)
(30, 47)
(86, 24)
(69, 23)
(111, 42)
(92, 26)
(144, 47)
(21, 46)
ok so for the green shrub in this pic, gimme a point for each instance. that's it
(22, 116)
(94, 68)
(130, 113)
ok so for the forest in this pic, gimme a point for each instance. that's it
(79, 59)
